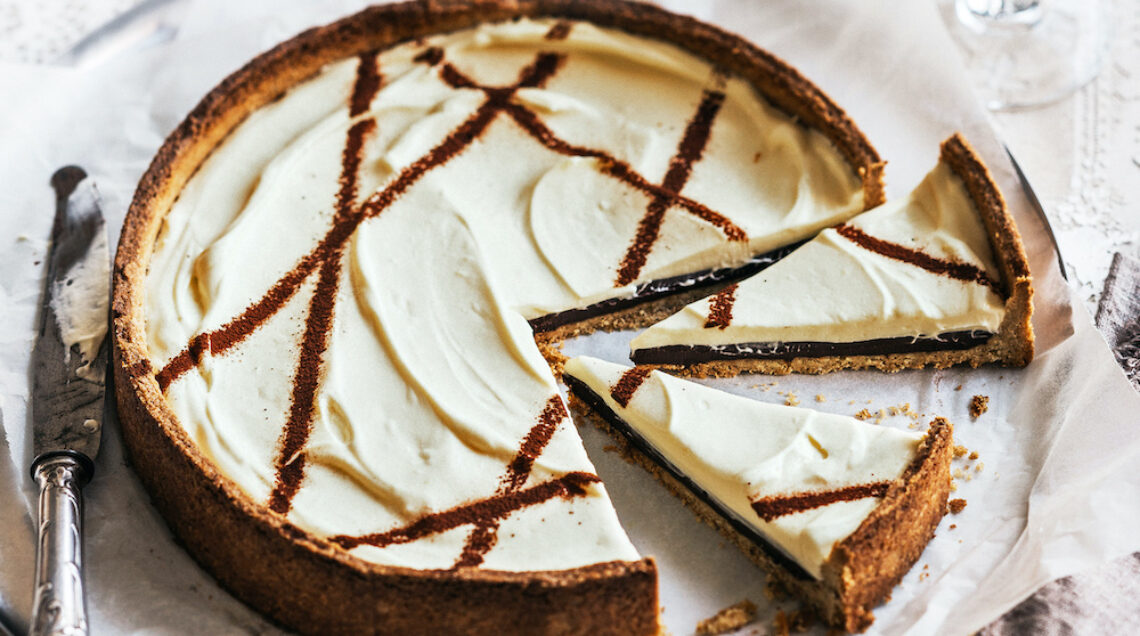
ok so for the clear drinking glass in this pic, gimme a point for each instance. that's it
(1024, 53)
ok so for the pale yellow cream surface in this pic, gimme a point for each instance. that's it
(834, 290)
(739, 450)
(431, 379)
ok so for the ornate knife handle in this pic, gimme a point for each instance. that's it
(60, 607)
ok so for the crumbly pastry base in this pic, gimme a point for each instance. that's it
(863, 568)
(1012, 345)
(302, 581)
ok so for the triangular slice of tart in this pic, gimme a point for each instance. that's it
(936, 278)
(838, 510)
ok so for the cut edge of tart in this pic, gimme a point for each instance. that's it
(1012, 344)
(309, 583)
(861, 569)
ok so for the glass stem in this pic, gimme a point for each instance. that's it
(1024, 12)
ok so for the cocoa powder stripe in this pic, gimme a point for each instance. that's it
(560, 30)
(454, 78)
(628, 383)
(720, 308)
(777, 506)
(485, 534)
(290, 462)
(350, 167)
(619, 170)
(495, 507)
(534, 443)
(234, 332)
(693, 143)
(535, 75)
(367, 84)
(452, 145)
(957, 270)
(482, 538)
(689, 151)
(220, 340)
(431, 56)
(637, 253)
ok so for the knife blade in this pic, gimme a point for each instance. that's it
(1039, 210)
(69, 362)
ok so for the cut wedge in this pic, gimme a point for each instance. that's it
(838, 510)
(937, 278)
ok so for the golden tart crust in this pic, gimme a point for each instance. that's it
(308, 583)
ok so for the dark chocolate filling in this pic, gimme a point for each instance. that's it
(595, 402)
(657, 289)
(696, 354)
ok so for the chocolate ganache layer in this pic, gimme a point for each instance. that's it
(595, 402)
(695, 354)
(662, 288)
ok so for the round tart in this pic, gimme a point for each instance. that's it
(331, 278)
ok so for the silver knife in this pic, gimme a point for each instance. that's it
(69, 365)
(1039, 209)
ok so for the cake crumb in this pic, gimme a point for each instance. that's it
(552, 352)
(729, 619)
(960, 450)
(780, 626)
(957, 505)
(801, 621)
(957, 474)
(792, 399)
(773, 590)
(958, 388)
(820, 398)
(953, 526)
(863, 415)
(979, 404)
(980, 466)
(974, 455)
(953, 486)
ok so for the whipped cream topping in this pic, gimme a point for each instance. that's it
(337, 302)
(86, 284)
(919, 266)
(813, 476)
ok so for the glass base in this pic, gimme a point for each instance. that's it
(1018, 63)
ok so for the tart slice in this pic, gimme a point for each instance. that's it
(937, 278)
(836, 509)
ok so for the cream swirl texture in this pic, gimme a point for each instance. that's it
(354, 267)
(844, 286)
(746, 454)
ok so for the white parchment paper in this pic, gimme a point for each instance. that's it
(1055, 486)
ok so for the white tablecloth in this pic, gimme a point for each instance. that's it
(1081, 154)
